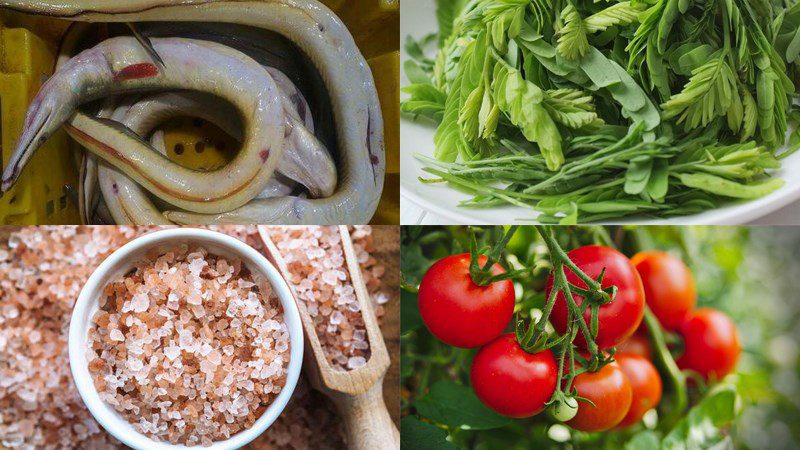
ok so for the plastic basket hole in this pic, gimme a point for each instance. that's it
(200, 147)
(50, 208)
(62, 202)
(178, 149)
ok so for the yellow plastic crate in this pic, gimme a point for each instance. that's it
(46, 191)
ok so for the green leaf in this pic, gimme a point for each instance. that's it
(522, 101)
(410, 318)
(658, 184)
(606, 73)
(446, 13)
(659, 77)
(503, 20)
(536, 49)
(449, 139)
(750, 115)
(572, 42)
(701, 428)
(418, 435)
(425, 101)
(600, 69)
(669, 15)
(621, 13)
(708, 95)
(406, 368)
(571, 217)
(415, 73)
(638, 174)
(644, 440)
(646, 34)
(415, 51)
(488, 117)
(457, 406)
(688, 57)
(727, 188)
(413, 264)
(571, 107)
(468, 115)
(793, 49)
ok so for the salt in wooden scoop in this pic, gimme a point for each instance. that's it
(357, 393)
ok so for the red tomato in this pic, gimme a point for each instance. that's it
(510, 380)
(668, 287)
(638, 344)
(711, 344)
(645, 385)
(611, 393)
(618, 319)
(459, 312)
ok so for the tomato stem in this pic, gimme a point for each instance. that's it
(675, 378)
(484, 275)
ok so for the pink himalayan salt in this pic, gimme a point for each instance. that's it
(315, 260)
(38, 401)
(170, 365)
(42, 270)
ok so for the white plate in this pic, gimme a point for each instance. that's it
(418, 18)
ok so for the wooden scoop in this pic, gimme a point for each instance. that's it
(358, 393)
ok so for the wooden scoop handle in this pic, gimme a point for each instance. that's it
(367, 420)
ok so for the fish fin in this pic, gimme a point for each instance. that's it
(144, 41)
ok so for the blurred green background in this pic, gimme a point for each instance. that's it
(751, 273)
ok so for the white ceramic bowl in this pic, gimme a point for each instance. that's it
(119, 263)
(418, 18)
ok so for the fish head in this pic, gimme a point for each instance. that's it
(45, 116)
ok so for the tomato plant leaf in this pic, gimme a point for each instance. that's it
(455, 405)
(410, 319)
(701, 428)
(418, 435)
(414, 263)
(644, 440)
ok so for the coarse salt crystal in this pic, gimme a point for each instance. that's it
(140, 303)
(135, 364)
(172, 352)
(194, 297)
(355, 362)
(116, 335)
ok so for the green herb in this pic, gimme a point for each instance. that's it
(532, 100)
